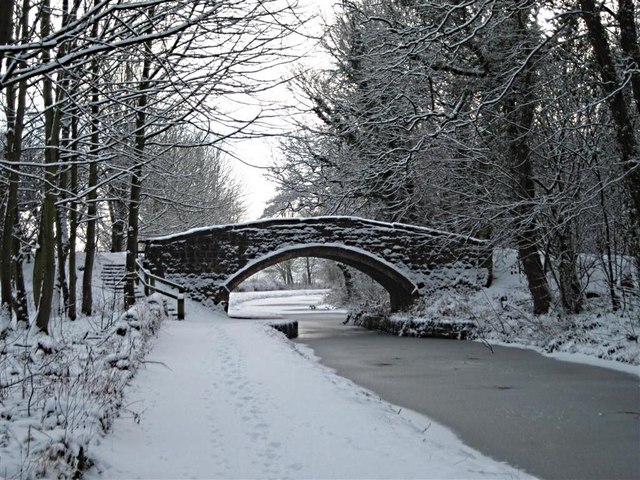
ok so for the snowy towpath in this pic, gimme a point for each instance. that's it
(221, 398)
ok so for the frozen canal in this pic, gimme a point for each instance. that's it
(556, 420)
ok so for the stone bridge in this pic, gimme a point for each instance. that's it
(408, 261)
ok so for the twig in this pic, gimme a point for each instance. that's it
(157, 363)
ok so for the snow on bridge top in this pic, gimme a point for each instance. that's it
(267, 222)
(405, 259)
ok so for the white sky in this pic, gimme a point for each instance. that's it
(262, 152)
(258, 189)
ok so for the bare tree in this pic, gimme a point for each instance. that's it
(113, 80)
(466, 116)
(614, 92)
(190, 185)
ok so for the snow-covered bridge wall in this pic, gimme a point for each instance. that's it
(406, 260)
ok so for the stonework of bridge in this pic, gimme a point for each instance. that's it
(408, 261)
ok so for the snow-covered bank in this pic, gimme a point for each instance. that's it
(250, 304)
(222, 398)
(501, 314)
(59, 391)
(582, 358)
(603, 340)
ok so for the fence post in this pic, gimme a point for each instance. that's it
(181, 307)
(147, 281)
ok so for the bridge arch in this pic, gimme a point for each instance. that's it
(402, 290)
(407, 260)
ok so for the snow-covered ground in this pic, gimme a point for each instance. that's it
(58, 391)
(279, 303)
(225, 398)
(218, 397)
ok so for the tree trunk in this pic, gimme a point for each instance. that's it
(615, 98)
(12, 154)
(132, 235)
(20, 301)
(136, 176)
(605, 249)
(73, 219)
(92, 195)
(62, 248)
(348, 279)
(5, 308)
(90, 242)
(6, 24)
(15, 109)
(307, 270)
(289, 272)
(62, 113)
(47, 219)
(570, 291)
(519, 112)
(629, 44)
(36, 279)
(527, 234)
(536, 279)
(118, 222)
(47, 253)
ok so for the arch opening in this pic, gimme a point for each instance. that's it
(402, 291)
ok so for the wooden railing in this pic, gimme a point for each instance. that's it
(149, 280)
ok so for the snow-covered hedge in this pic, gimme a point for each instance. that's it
(57, 391)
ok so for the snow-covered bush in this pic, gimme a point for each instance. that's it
(58, 391)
